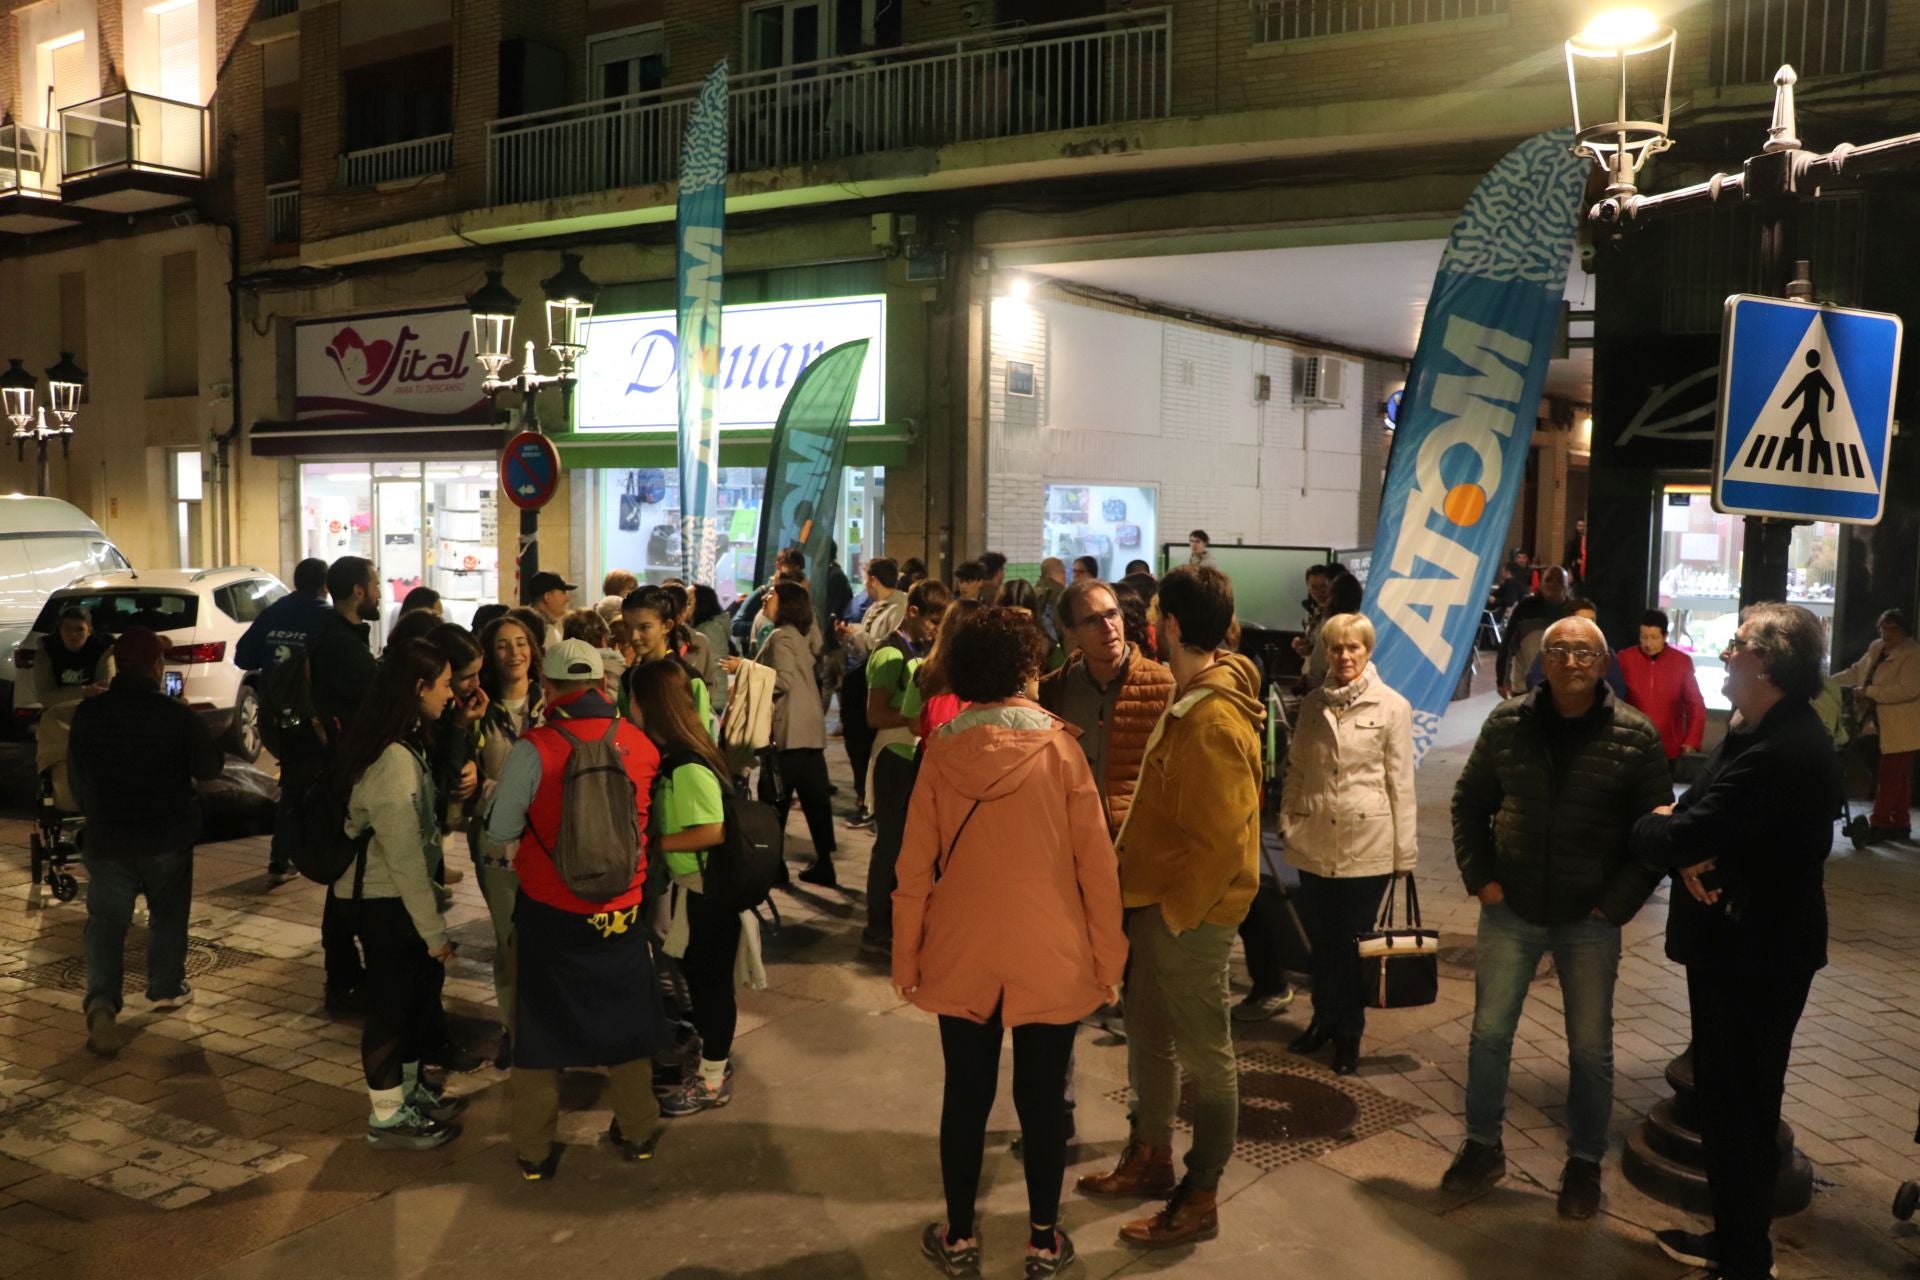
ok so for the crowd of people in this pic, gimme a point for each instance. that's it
(1067, 782)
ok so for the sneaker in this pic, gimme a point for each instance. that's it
(1259, 1006)
(277, 876)
(103, 1035)
(1050, 1262)
(433, 1104)
(545, 1171)
(870, 945)
(408, 1130)
(454, 1058)
(1580, 1190)
(1476, 1168)
(821, 873)
(630, 1151)
(667, 1079)
(861, 819)
(961, 1258)
(1694, 1249)
(442, 898)
(503, 1059)
(162, 1003)
(345, 1002)
(694, 1097)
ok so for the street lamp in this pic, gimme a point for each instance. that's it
(66, 381)
(570, 296)
(1615, 50)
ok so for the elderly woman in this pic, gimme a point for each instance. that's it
(1748, 843)
(1348, 815)
(1886, 687)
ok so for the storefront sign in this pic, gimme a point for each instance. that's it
(401, 368)
(629, 378)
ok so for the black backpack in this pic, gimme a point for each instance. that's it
(316, 839)
(289, 723)
(740, 872)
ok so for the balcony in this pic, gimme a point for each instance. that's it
(283, 213)
(999, 84)
(130, 152)
(397, 162)
(30, 180)
(1752, 38)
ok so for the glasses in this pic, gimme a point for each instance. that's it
(1736, 645)
(1579, 657)
(1102, 620)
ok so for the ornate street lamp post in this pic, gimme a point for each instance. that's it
(66, 381)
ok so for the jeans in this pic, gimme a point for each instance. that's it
(1042, 1059)
(1586, 955)
(892, 788)
(403, 1014)
(1334, 909)
(112, 885)
(1176, 1012)
(1742, 1036)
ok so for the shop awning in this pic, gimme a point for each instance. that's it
(410, 440)
(874, 448)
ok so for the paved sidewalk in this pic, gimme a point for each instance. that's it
(226, 1139)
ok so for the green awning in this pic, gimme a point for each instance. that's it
(877, 447)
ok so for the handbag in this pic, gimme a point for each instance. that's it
(630, 504)
(1399, 965)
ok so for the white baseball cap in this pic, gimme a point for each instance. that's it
(573, 660)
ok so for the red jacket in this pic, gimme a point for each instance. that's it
(1665, 689)
(587, 716)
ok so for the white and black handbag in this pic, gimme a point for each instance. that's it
(1400, 964)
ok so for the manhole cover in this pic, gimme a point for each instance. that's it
(203, 956)
(1292, 1109)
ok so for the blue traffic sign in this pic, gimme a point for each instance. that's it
(1806, 410)
(529, 471)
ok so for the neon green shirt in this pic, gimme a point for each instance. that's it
(889, 668)
(690, 797)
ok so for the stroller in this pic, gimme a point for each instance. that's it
(57, 824)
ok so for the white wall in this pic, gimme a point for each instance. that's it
(1122, 397)
(35, 26)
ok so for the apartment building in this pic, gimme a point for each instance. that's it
(1128, 268)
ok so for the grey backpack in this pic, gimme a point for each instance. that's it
(597, 849)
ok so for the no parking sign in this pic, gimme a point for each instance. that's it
(529, 471)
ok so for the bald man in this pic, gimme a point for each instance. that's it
(1541, 819)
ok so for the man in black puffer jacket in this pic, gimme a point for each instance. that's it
(1542, 817)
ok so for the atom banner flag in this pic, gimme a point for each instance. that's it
(1460, 452)
(700, 227)
(802, 490)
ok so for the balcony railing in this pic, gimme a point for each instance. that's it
(998, 84)
(1276, 20)
(283, 213)
(133, 131)
(29, 161)
(1752, 38)
(397, 162)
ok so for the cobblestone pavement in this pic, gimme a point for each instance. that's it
(226, 1138)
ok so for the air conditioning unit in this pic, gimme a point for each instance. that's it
(1319, 380)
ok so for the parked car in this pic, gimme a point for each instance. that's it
(44, 545)
(202, 613)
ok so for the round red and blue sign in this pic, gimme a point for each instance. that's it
(529, 471)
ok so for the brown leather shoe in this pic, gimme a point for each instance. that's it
(1144, 1173)
(1190, 1215)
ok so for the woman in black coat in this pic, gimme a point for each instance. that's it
(1748, 845)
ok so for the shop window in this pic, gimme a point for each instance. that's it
(1112, 523)
(187, 495)
(398, 100)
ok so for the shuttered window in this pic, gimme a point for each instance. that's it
(177, 40)
(68, 73)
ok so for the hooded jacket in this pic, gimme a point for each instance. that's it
(1025, 914)
(1191, 841)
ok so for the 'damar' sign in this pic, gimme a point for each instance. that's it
(1460, 452)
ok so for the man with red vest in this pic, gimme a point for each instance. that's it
(1660, 682)
(586, 994)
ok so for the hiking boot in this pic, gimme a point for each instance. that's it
(161, 1004)
(103, 1034)
(820, 873)
(1580, 1189)
(1144, 1173)
(1050, 1262)
(409, 1130)
(961, 1258)
(1190, 1214)
(632, 1151)
(1260, 1005)
(1476, 1168)
(433, 1104)
(694, 1096)
(545, 1171)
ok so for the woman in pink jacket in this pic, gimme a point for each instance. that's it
(1007, 914)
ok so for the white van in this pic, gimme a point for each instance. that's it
(44, 544)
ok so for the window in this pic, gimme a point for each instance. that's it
(66, 70)
(1275, 20)
(626, 62)
(786, 33)
(1111, 523)
(244, 601)
(398, 100)
(187, 494)
(175, 28)
(116, 610)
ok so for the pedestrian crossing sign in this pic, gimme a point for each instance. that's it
(1806, 410)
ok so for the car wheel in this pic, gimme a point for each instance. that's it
(243, 735)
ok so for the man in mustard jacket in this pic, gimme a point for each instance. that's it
(1189, 867)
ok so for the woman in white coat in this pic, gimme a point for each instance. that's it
(1886, 691)
(1348, 814)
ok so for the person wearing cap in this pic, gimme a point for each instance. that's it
(585, 989)
(552, 596)
(133, 756)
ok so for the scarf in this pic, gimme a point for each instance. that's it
(1343, 697)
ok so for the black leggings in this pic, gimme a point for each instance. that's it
(713, 939)
(1042, 1054)
(402, 990)
(803, 772)
(1334, 909)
